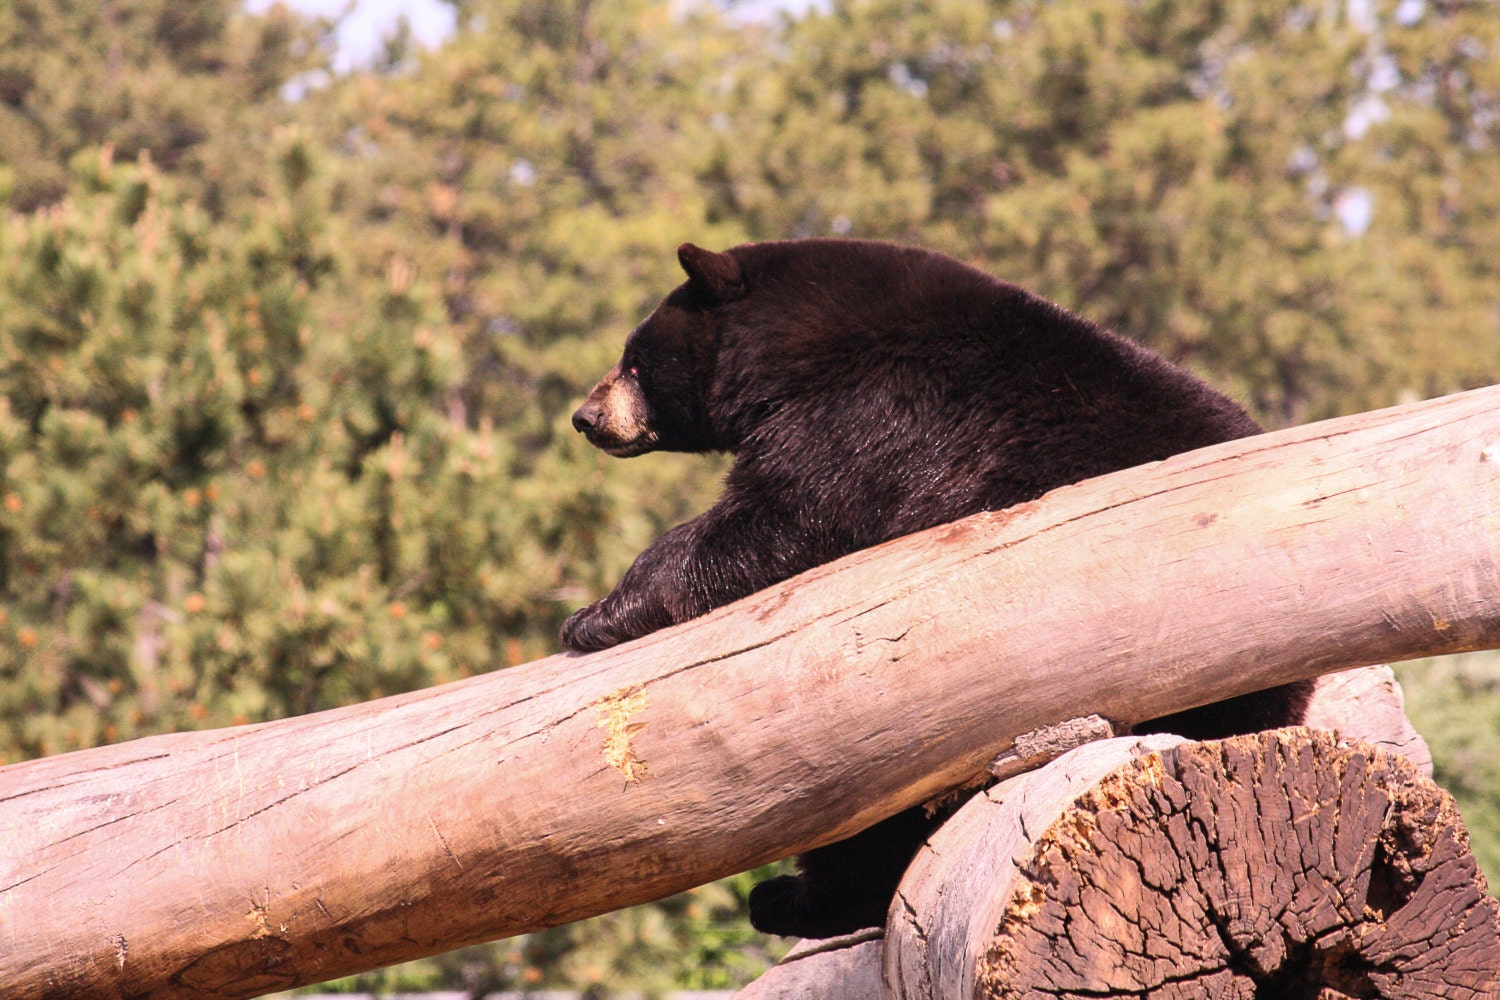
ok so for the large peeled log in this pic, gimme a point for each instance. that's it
(1286, 864)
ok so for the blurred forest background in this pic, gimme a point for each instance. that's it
(287, 356)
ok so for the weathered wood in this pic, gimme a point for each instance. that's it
(957, 889)
(842, 968)
(1367, 704)
(1032, 750)
(237, 862)
(952, 898)
(1279, 864)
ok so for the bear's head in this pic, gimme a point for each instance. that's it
(656, 397)
(787, 341)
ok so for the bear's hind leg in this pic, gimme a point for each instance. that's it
(845, 886)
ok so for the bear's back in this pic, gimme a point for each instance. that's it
(932, 390)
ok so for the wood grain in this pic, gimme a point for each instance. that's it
(237, 862)
(1282, 864)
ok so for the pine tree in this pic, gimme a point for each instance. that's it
(1179, 172)
(191, 82)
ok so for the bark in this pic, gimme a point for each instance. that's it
(243, 861)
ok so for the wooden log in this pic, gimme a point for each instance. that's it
(1367, 704)
(1282, 864)
(959, 886)
(841, 968)
(242, 861)
(944, 916)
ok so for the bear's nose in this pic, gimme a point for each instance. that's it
(586, 418)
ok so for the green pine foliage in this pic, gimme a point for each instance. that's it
(192, 82)
(285, 370)
(1172, 170)
(216, 510)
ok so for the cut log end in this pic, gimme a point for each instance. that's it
(1284, 864)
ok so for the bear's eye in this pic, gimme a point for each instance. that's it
(632, 371)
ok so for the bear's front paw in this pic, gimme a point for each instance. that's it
(587, 631)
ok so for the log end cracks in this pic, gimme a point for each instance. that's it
(1289, 863)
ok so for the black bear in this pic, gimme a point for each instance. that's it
(868, 391)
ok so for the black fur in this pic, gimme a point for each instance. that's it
(868, 391)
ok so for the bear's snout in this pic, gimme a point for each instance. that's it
(615, 418)
(586, 417)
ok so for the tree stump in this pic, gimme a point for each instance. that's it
(1284, 864)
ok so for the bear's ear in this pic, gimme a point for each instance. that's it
(718, 274)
